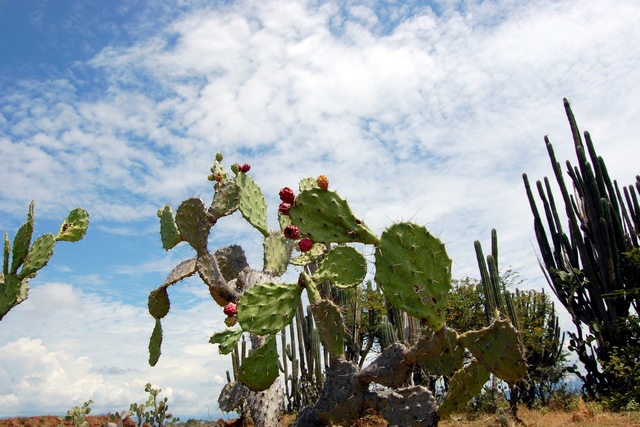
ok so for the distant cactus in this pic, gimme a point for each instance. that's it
(413, 271)
(23, 261)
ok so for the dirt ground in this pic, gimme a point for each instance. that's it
(583, 418)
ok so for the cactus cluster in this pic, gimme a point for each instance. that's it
(25, 258)
(412, 269)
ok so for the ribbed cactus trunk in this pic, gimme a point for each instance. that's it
(586, 266)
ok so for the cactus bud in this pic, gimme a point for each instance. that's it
(230, 309)
(284, 208)
(323, 182)
(305, 245)
(292, 232)
(287, 195)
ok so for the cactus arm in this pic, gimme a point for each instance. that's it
(21, 242)
(414, 272)
(260, 369)
(227, 340)
(74, 227)
(169, 233)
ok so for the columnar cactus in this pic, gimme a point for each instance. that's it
(28, 258)
(412, 269)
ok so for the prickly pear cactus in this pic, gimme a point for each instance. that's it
(28, 258)
(316, 237)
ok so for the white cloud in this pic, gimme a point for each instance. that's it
(63, 347)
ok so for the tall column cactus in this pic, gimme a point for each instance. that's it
(24, 259)
(586, 266)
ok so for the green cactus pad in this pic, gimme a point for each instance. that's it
(330, 326)
(260, 369)
(7, 253)
(12, 292)
(464, 385)
(159, 302)
(267, 308)
(74, 227)
(252, 204)
(155, 342)
(323, 216)
(38, 256)
(227, 340)
(307, 183)
(277, 251)
(316, 252)
(22, 241)
(344, 266)
(169, 233)
(414, 272)
(438, 353)
(192, 223)
(226, 200)
(499, 349)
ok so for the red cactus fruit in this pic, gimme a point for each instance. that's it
(245, 168)
(284, 208)
(287, 195)
(323, 182)
(292, 232)
(305, 244)
(230, 309)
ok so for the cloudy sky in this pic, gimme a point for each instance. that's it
(429, 111)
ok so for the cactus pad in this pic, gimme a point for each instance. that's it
(267, 308)
(193, 224)
(227, 340)
(226, 200)
(323, 216)
(438, 353)
(260, 369)
(38, 256)
(22, 241)
(155, 342)
(169, 233)
(74, 227)
(499, 349)
(252, 204)
(330, 326)
(159, 302)
(344, 266)
(414, 272)
(277, 251)
(464, 385)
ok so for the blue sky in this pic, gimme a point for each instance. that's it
(429, 111)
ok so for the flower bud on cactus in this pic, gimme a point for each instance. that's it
(284, 208)
(231, 321)
(287, 195)
(323, 182)
(230, 309)
(245, 168)
(305, 245)
(292, 232)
